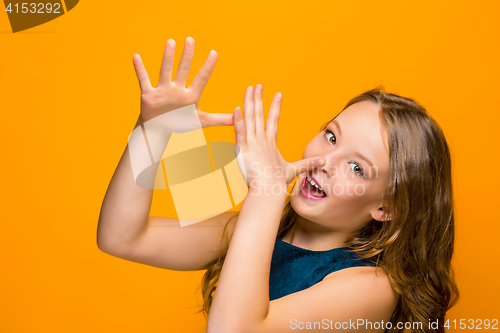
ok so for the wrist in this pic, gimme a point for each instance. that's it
(180, 120)
(268, 188)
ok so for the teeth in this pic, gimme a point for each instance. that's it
(312, 182)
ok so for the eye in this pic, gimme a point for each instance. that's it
(330, 136)
(357, 169)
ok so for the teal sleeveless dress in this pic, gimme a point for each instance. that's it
(294, 269)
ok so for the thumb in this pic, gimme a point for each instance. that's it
(296, 168)
(215, 119)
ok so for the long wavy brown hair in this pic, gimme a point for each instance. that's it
(415, 246)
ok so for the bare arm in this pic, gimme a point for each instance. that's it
(249, 257)
(127, 231)
(125, 228)
(125, 208)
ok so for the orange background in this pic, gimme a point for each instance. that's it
(69, 99)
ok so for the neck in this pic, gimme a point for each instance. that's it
(315, 237)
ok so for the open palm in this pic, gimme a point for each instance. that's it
(261, 162)
(171, 95)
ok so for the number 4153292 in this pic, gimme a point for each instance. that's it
(478, 324)
(34, 8)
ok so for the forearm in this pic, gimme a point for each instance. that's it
(126, 205)
(241, 301)
(125, 209)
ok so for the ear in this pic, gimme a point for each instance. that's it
(378, 214)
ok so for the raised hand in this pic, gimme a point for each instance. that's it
(263, 162)
(171, 95)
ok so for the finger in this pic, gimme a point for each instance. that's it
(259, 112)
(304, 165)
(273, 117)
(167, 63)
(141, 73)
(182, 72)
(249, 109)
(204, 74)
(215, 119)
(239, 128)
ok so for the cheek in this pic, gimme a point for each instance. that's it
(345, 191)
(350, 197)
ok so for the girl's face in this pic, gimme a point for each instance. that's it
(354, 176)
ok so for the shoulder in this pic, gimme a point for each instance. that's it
(343, 296)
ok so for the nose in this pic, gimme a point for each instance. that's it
(330, 159)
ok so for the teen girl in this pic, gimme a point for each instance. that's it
(366, 235)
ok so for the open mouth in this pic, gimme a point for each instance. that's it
(311, 189)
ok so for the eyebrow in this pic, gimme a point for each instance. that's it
(338, 126)
(358, 154)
